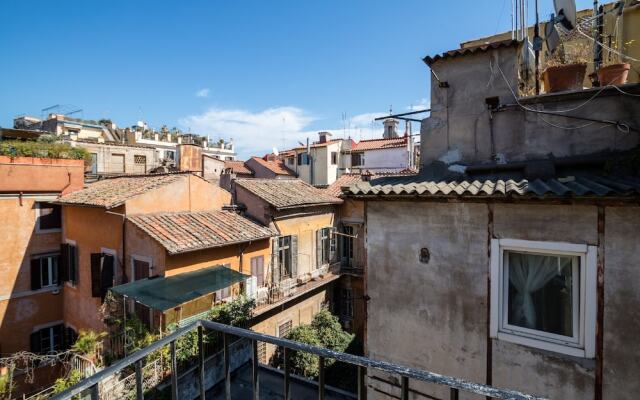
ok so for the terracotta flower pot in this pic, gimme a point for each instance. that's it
(614, 74)
(564, 77)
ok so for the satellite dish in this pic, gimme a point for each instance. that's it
(566, 13)
(275, 152)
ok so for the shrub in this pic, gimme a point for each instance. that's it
(63, 384)
(88, 342)
(45, 148)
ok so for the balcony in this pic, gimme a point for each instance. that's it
(238, 374)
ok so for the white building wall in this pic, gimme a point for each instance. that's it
(385, 160)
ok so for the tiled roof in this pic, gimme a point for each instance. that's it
(285, 193)
(113, 192)
(469, 50)
(180, 232)
(571, 186)
(276, 167)
(379, 144)
(335, 189)
(237, 167)
(318, 144)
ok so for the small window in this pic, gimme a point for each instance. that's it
(141, 269)
(290, 160)
(334, 158)
(346, 303)
(357, 159)
(544, 295)
(284, 256)
(49, 217)
(44, 271)
(47, 340)
(324, 246)
(347, 248)
(303, 159)
(284, 329)
(257, 269)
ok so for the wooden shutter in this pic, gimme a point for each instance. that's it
(106, 277)
(73, 264)
(63, 263)
(260, 270)
(35, 342)
(275, 268)
(96, 261)
(294, 255)
(318, 248)
(36, 278)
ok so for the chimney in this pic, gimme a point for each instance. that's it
(390, 128)
(324, 136)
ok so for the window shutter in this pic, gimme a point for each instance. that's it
(294, 256)
(64, 262)
(106, 277)
(36, 279)
(318, 248)
(73, 264)
(35, 342)
(260, 269)
(96, 261)
(275, 268)
(333, 245)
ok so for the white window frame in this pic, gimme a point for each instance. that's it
(584, 344)
(49, 326)
(49, 266)
(38, 207)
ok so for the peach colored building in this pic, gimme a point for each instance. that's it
(30, 263)
(95, 230)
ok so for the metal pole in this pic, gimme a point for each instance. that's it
(255, 380)
(174, 371)
(537, 45)
(286, 374)
(361, 388)
(201, 360)
(453, 394)
(404, 390)
(139, 392)
(227, 370)
(94, 392)
(321, 378)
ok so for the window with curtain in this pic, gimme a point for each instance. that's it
(542, 292)
(543, 295)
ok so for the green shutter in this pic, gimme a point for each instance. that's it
(318, 248)
(294, 256)
(63, 264)
(275, 268)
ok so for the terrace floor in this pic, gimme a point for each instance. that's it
(272, 385)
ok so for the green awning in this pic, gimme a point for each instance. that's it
(166, 293)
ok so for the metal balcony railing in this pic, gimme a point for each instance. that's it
(91, 385)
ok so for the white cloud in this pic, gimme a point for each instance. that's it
(421, 104)
(203, 92)
(254, 133)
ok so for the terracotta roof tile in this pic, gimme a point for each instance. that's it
(237, 167)
(379, 144)
(285, 193)
(276, 167)
(180, 232)
(113, 192)
(469, 50)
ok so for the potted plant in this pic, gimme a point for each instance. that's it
(566, 67)
(614, 71)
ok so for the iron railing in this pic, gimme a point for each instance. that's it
(455, 385)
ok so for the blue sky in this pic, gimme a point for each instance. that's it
(265, 73)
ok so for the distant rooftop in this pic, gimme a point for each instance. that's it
(277, 167)
(113, 192)
(287, 193)
(180, 232)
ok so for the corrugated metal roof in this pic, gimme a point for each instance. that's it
(285, 193)
(469, 50)
(571, 186)
(180, 232)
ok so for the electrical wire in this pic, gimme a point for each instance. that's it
(604, 46)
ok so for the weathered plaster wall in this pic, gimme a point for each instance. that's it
(105, 163)
(460, 119)
(298, 311)
(28, 174)
(257, 208)
(386, 159)
(92, 230)
(445, 302)
(305, 228)
(140, 244)
(259, 170)
(622, 303)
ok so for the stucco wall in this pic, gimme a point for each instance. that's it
(28, 174)
(92, 230)
(105, 163)
(445, 302)
(305, 228)
(386, 159)
(460, 119)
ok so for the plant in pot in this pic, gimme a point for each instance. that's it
(566, 66)
(614, 71)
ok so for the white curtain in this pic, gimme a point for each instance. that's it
(529, 273)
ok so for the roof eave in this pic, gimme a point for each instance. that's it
(216, 246)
